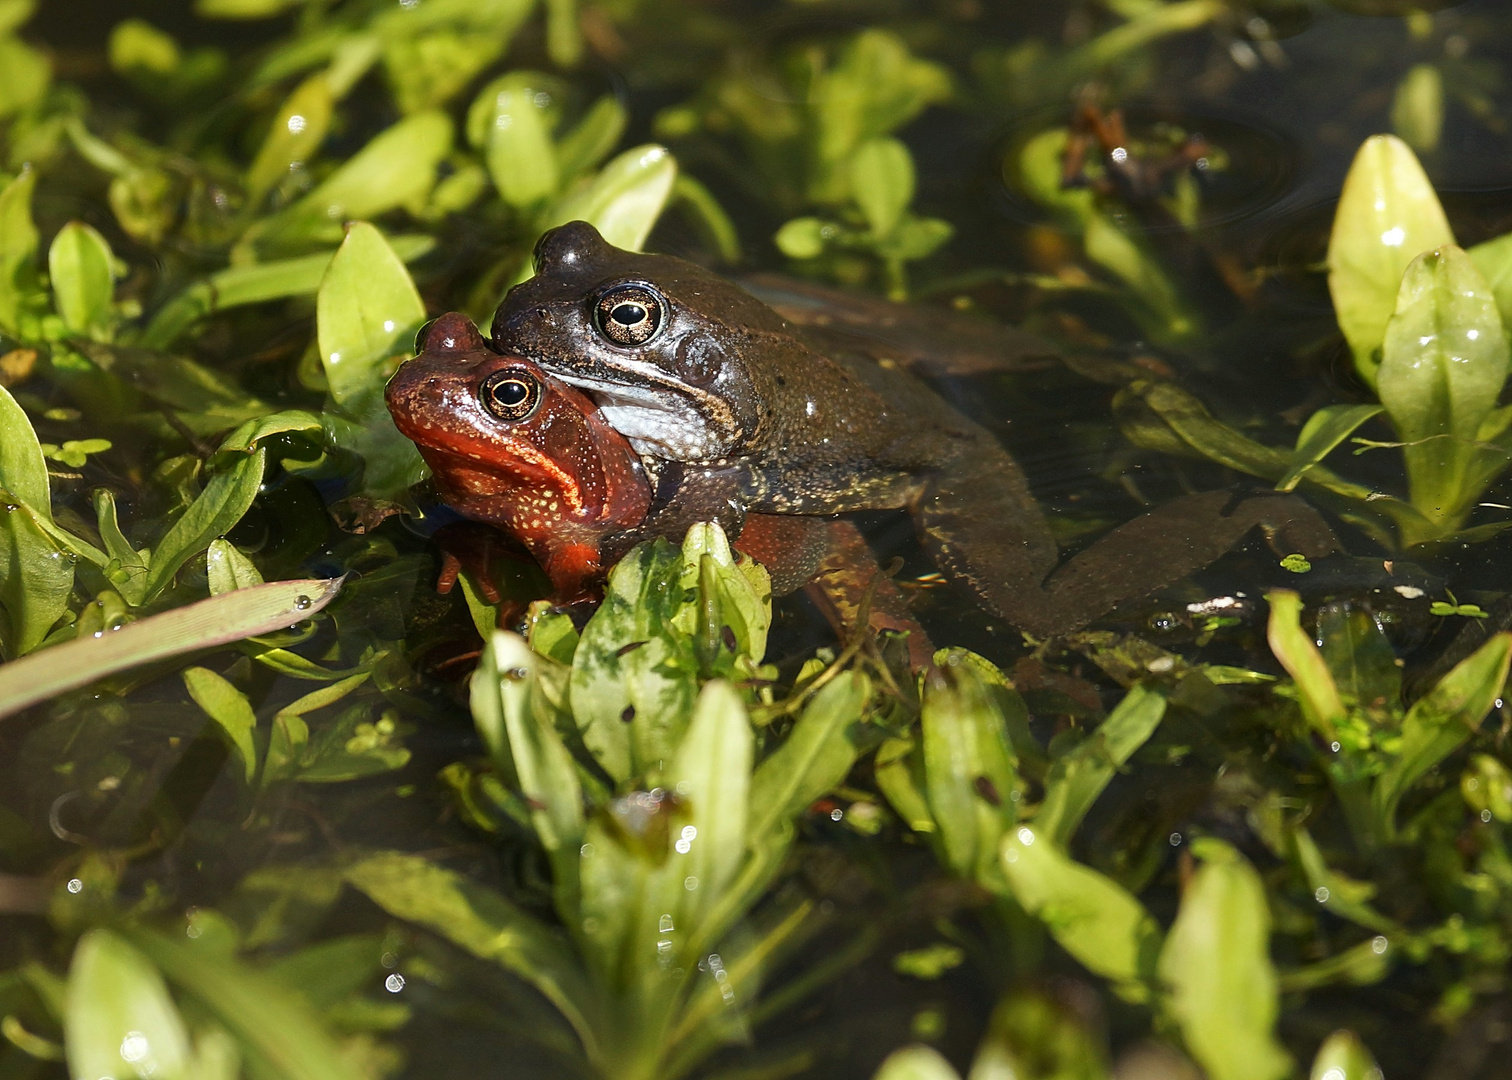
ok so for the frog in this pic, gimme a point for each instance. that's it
(510, 447)
(736, 410)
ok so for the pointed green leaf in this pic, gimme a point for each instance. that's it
(23, 469)
(18, 249)
(1417, 111)
(1388, 215)
(916, 1063)
(1216, 962)
(815, 757)
(626, 197)
(119, 1020)
(220, 506)
(228, 569)
(1299, 655)
(594, 137)
(1344, 1057)
(521, 157)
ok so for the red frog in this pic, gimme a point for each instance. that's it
(511, 447)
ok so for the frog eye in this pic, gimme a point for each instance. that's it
(510, 395)
(630, 314)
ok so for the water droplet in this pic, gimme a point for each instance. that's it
(664, 925)
(1321, 894)
(690, 882)
(75, 885)
(1025, 837)
(1175, 839)
(1378, 944)
(303, 603)
(394, 983)
(135, 1047)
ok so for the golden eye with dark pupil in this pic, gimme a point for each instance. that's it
(510, 395)
(630, 314)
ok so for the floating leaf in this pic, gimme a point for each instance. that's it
(1216, 962)
(206, 624)
(1388, 214)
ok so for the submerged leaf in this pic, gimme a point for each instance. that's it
(1388, 214)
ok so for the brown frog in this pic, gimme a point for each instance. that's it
(735, 410)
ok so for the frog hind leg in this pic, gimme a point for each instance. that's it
(984, 528)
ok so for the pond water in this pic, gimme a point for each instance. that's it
(398, 879)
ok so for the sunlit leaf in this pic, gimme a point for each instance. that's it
(299, 127)
(367, 312)
(625, 199)
(1417, 112)
(23, 470)
(1494, 260)
(228, 569)
(36, 575)
(517, 145)
(594, 137)
(1344, 1057)
(242, 9)
(1443, 363)
(226, 498)
(24, 75)
(1299, 655)
(221, 619)
(1441, 720)
(1216, 962)
(81, 269)
(229, 708)
(1388, 214)
(120, 1021)
(916, 1063)
(882, 183)
(1091, 916)
(1079, 776)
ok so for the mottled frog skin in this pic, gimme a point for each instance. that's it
(735, 410)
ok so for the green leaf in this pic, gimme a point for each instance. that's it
(23, 470)
(1443, 363)
(1417, 111)
(119, 1020)
(1320, 436)
(1079, 776)
(882, 183)
(916, 1063)
(1359, 657)
(136, 45)
(397, 168)
(80, 266)
(633, 678)
(732, 596)
(517, 144)
(970, 773)
(594, 137)
(1216, 962)
(36, 574)
(226, 498)
(1388, 215)
(1494, 260)
(203, 625)
(229, 708)
(256, 283)
(503, 689)
(273, 1022)
(1091, 916)
(1441, 720)
(243, 9)
(18, 250)
(367, 312)
(1318, 694)
(24, 75)
(625, 199)
(803, 237)
(298, 129)
(1344, 1057)
(483, 923)
(246, 437)
(228, 569)
(815, 757)
(1039, 1034)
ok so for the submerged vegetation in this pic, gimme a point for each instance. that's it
(258, 821)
